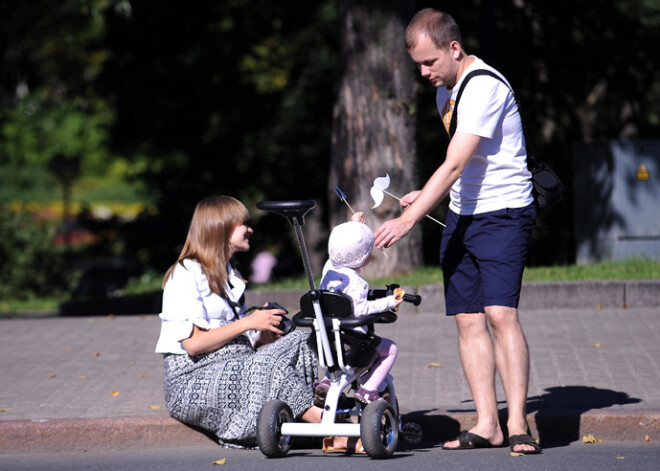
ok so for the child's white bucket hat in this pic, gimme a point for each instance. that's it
(350, 244)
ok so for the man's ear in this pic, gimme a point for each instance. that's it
(455, 49)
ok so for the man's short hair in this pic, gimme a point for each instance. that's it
(439, 26)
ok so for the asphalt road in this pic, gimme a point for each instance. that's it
(638, 456)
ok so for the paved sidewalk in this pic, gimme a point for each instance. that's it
(93, 382)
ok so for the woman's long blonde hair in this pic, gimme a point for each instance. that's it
(211, 227)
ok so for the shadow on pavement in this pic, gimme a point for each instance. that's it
(436, 429)
(558, 411)
(147, 303)
(557, 415)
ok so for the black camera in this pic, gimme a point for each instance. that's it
(286, 325)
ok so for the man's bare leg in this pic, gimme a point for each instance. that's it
(477, 356)
(512, 360)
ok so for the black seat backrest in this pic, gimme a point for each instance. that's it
(333, 304)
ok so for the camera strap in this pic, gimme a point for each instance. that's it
(235, 307)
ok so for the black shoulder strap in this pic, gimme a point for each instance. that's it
(474, 73)
(236, 307)
(531, 161)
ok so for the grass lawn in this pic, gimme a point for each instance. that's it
(642, 269)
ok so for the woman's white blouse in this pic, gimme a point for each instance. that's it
(188, 300)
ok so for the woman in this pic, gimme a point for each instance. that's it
(214, 376)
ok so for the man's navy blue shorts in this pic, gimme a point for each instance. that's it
(483, 258)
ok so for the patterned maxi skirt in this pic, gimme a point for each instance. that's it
(224, 391)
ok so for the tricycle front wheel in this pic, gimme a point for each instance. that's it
(379, 430)
(269, 429)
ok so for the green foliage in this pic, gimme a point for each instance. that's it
(32, 266)
(37, 129)
(232, 87)
(237, 97)
(51, 117)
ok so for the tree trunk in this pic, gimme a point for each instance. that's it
(374, 122)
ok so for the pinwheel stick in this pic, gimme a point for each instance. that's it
(397, 198)
(349, 206)
(342, 196)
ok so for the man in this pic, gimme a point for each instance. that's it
(492, 213)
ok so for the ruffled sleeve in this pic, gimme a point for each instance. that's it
(183, 307)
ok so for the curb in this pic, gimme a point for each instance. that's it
(104, 433)
(80, 435)
(551, 426)
(534, 295)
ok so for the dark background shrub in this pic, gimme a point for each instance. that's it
(32, 265)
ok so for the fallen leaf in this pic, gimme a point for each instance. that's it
(434, 365)
(52, 375)
(598, 345)
(5, 410)
(82, 377)
(144, 375)
(66, 349)
(114, 393)
(599, 307)
(222, 461)
(515, 453)
(111, 316)
(97, 354)
(590, 439)
(130, 363)
(155, 407)
(620, 457)
(647, 438)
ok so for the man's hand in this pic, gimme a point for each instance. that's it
(408, 198)
(393, 230)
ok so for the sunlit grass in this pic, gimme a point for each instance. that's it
(25, 306)
(634, 269)
(642, 269)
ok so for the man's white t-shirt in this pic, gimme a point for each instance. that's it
(496, 177)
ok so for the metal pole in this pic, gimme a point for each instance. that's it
(304, 254)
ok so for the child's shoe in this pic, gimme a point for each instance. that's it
(320, 392)
(365, 396)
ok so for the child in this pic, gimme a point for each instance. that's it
(349, 248)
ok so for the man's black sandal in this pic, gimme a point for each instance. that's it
(524, 439)
(469, 441)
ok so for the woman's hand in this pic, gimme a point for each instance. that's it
(266, 320)
(266, 337)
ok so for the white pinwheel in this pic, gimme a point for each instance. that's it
(379, 190)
